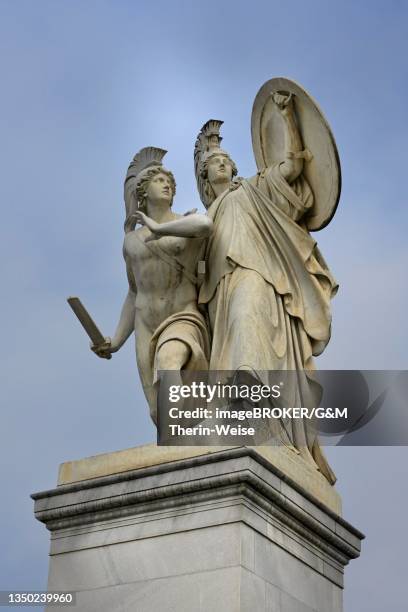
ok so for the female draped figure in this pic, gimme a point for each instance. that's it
(267, 289)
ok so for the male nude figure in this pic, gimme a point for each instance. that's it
(161, 261)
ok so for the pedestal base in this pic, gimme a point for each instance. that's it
(224, 531)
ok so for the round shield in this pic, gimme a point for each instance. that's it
(323, 171)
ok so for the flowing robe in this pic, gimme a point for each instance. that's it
(268, 288)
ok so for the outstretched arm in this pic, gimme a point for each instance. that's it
(192, 225)
(292, 165)
(126, 323)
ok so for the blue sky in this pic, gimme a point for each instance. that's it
(87, 84)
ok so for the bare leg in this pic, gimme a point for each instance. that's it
(172, 356)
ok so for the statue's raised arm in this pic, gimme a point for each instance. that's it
(292, 163)
(290, 131)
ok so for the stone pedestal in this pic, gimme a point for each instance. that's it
(225, 530)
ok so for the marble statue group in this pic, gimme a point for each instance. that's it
(243, 286)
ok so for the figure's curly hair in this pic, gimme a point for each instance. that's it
(138, 192)
(143, 183)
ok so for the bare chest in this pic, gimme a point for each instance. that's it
(138, 250)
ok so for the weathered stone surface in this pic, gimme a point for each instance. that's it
(214, 532)
(284, 463)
